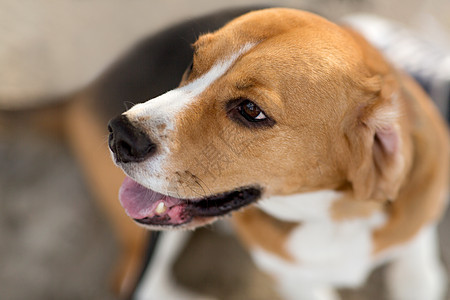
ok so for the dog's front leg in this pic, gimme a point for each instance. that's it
(157, 282)
(417, 273)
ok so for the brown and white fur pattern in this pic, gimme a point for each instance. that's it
(353, 167)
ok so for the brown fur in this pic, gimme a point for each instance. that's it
(257, 228)
(347, 208)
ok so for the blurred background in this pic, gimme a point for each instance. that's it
(55, 242)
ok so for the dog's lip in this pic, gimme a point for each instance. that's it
(152, 208)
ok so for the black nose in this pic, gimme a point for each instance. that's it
(128, 143)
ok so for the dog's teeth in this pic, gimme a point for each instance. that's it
(160, 208)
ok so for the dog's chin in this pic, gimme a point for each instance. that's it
(158, 211)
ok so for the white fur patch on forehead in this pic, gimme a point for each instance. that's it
(166, 106)
(220, 68)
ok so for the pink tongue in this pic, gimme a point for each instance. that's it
(140, 202)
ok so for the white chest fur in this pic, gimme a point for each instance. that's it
(300, 207)
(326, 252)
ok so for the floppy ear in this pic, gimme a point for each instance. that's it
(377, 168)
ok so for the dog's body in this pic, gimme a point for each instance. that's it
(347, 155)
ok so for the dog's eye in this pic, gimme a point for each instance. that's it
(247, 113)
(251, 112)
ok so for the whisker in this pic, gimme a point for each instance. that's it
(203, 185)
(128, 104)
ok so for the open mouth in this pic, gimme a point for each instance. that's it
(151, 208)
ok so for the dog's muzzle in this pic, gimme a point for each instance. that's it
(127, 142)
(130, 144)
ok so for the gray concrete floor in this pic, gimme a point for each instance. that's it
(54, 242)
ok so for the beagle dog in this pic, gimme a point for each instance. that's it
(330, 161)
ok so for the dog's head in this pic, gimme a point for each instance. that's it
(276, 102)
